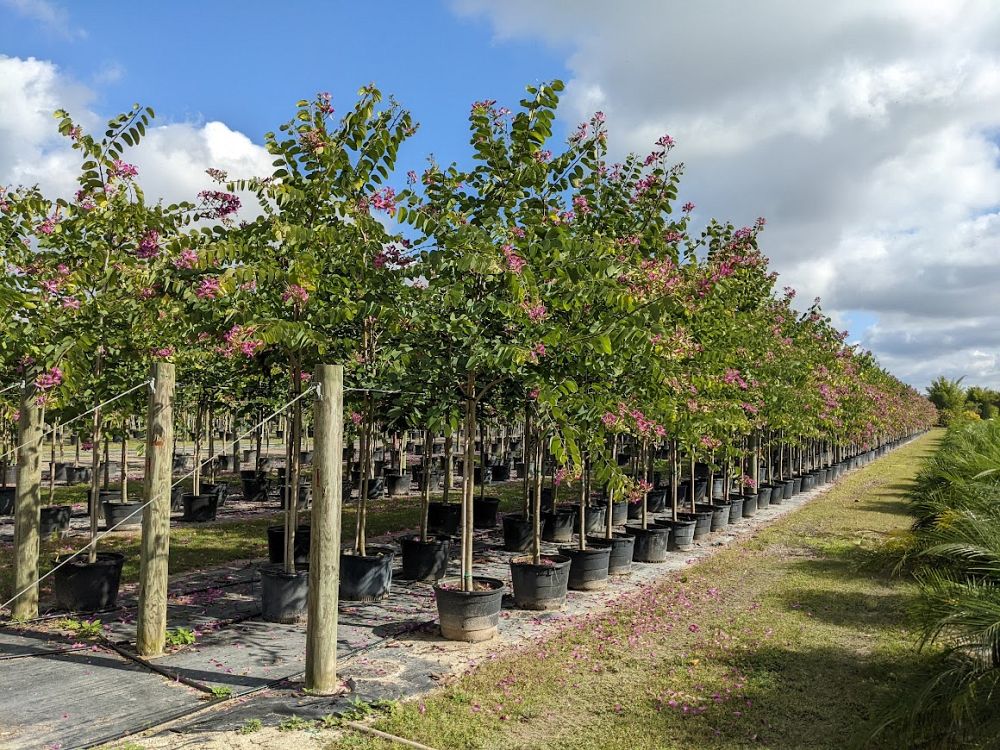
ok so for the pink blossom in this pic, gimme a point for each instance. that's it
(356, 418)
(537, 351)
(48, 226)
(219, 204)
(543, 156)
(149, 245)
(209, 288)
(49, 379)
(580, 204)
(324, 102)
(71, 303)
(295, 294)
(163, 352)
(610, 419)
(188, 258)
(535, 313)
(515, 263)
(687, 207)
(384, 200)
(120, 168)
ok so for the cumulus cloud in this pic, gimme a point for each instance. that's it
(50, 16)
(867, 133)
(171, 159)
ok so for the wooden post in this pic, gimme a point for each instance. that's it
(154, 549)
(324, 552)
(27, 505)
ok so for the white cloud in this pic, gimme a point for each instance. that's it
(866, 132)
(171, 159)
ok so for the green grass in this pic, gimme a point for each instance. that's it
(212, 544)
(795, 638)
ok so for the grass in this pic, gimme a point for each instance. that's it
(212, 544)
(795, 638)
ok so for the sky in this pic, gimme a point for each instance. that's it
(867, 133)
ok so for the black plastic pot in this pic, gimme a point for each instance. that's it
(366, 578)
(398, 484)
(60, 471)
(484, 512)
(518, 532)
(376, 488)
(700, 490)
(656, 501)
(424, 561)
(787, 490)
(720, 516)
(718, 488)
(120, 515)
(81, 586)
(764, 496)
(7, 495)
(622, 547)
(540, 587)
(284, 597)
(651, 545)
(469, 616)
(702, 518)
(220, 490)
(200, 508)
(478, 474)
(750, 504)
(558, 526)
(596, 520)
(682, 534)
(588, 570)
(254, 485)
(796, 486)
(501, 472)
(619, 513)
(54, 519)
(176, 498)
(444, 518)
(735, 508)
(276, 544)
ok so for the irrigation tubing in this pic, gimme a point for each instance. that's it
(93, 542)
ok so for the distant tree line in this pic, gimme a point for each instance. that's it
(955, 402)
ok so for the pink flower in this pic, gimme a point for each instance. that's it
(535, 312)
(411, 178)
(580, 204)
(693, 628)
(188, 258)
(120, 168)
(384, 200)
(515, 263)
(49, 379)
(610, 419)
(149, 245)
(295, 294)
(163, 352)
(356, 418)
(665, 141)
(209, 288)
(537, 351)
(324, 102)
(561, 475)
(219, 204)
(49, 225)
(533, 393)
(71, 303)
(687, 207)
(543, 156)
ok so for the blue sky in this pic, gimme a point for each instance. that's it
(247, 63)
(866, 133)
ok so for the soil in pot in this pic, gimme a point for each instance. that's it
(81, 586)
(651, 545)
(558, 526)
(469, 616)
(444, 518)
(54, 519)
(121, 515)
(588, 570)
(424, 561)
(276, 544)
(284, 596)
(366, 578)
(517, 532)
(542, 586)
(622, 547)
(484, 512)
(200, 508)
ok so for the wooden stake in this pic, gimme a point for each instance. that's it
(154, 545)
(27, 505)
(324, 553)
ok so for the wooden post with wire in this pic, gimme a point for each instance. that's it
(27, 505)
(154, 549)
(324, 554)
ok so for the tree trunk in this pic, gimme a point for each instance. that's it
(468, 477)
(27, 506)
